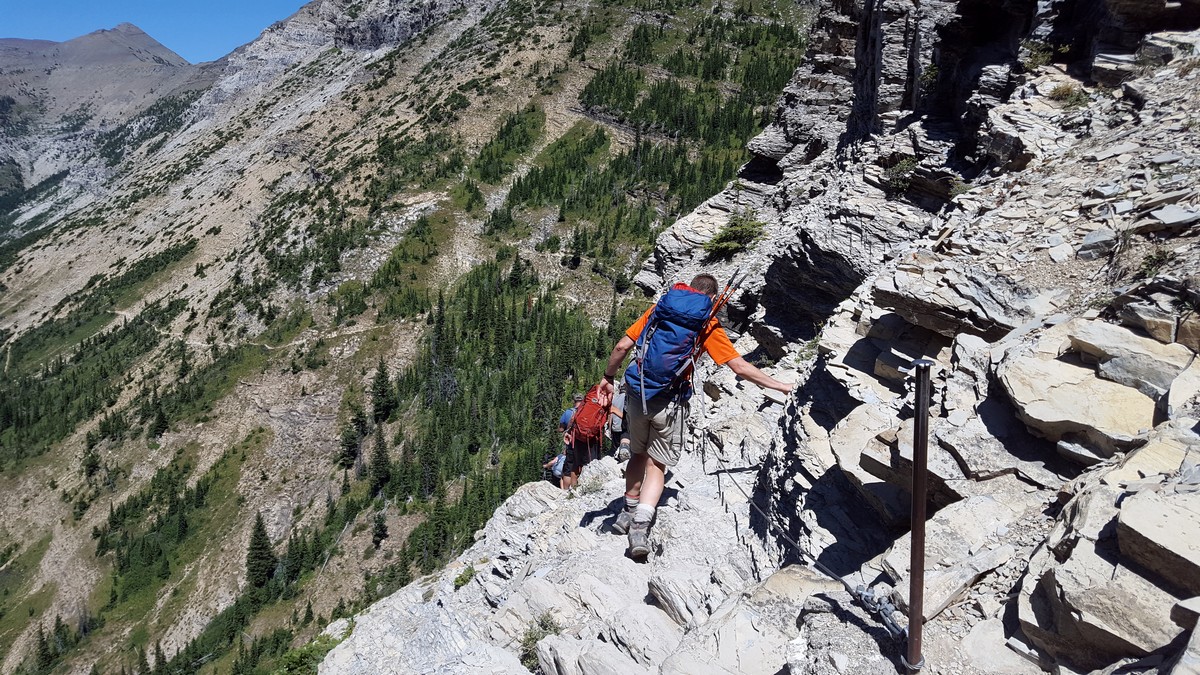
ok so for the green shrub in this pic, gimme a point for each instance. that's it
(898, 176)
(464, 577)
(1072, 95)
(544, 626)
(304, 660)
(1038, 54)
(735, 237)
(929, 77)
(1156, 260)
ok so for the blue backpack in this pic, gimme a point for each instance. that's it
(668, 345)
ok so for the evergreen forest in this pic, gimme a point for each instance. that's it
(326, 337)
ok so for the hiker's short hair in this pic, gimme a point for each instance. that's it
(705, 283)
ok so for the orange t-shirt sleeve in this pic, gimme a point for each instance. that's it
(638, 326)
(717, 344)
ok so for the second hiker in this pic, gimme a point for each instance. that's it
(669, 338)
(616, 425)
(573, 464)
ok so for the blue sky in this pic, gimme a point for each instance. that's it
(197, 30)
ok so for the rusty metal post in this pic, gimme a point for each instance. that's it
(914, 660)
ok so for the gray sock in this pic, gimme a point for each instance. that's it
(643, 514)
(631, 503)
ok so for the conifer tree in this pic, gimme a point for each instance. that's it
(159, 424)
(379, 531)
(293, 558)
(349, 443)
(381, 467)
(383, 394)
(260, 558)
(160, 660)
(91, 462)
(43, 654)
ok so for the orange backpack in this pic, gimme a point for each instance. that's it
(588, 423)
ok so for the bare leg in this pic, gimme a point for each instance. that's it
(653, 482)
(635, 471)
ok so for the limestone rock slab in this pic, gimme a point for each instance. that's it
(895, 465)
(1091, 611)
(847, 441)
(564, 655)
(1185, 613)
(645, 633)
(1189, 661)
(952, 535)
(685, 593)
(983, 452)
(944, 586)
(1185, 391)
(1164, 453)
(1057, 398)
(1143, 363)
(1161, 532)
(986, 649)
(532, 499)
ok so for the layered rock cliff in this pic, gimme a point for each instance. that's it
(955, 181)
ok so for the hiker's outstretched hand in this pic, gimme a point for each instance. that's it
(607, 389)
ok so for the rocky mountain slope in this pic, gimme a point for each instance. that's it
(260, 294)
(55, 97)
(1007, 189)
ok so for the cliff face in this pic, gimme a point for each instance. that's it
(941, 180)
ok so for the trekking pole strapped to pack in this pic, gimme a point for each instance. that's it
(720, 301)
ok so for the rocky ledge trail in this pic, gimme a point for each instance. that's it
(932, 186)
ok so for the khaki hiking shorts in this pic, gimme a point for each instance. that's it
(658, 433)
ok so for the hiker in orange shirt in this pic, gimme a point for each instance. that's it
(669, 338)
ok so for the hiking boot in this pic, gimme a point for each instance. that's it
(624, 518)
(639, 540)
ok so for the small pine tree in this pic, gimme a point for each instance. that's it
(91, 462)
(383, 394)
(44, 654)
(350, 443)
(380, 531)
(308, 614)
(381, 467)
(260, 558)
(160, 660)
(158, 425)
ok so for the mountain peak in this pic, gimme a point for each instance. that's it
(126, 27)
(121, 42)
